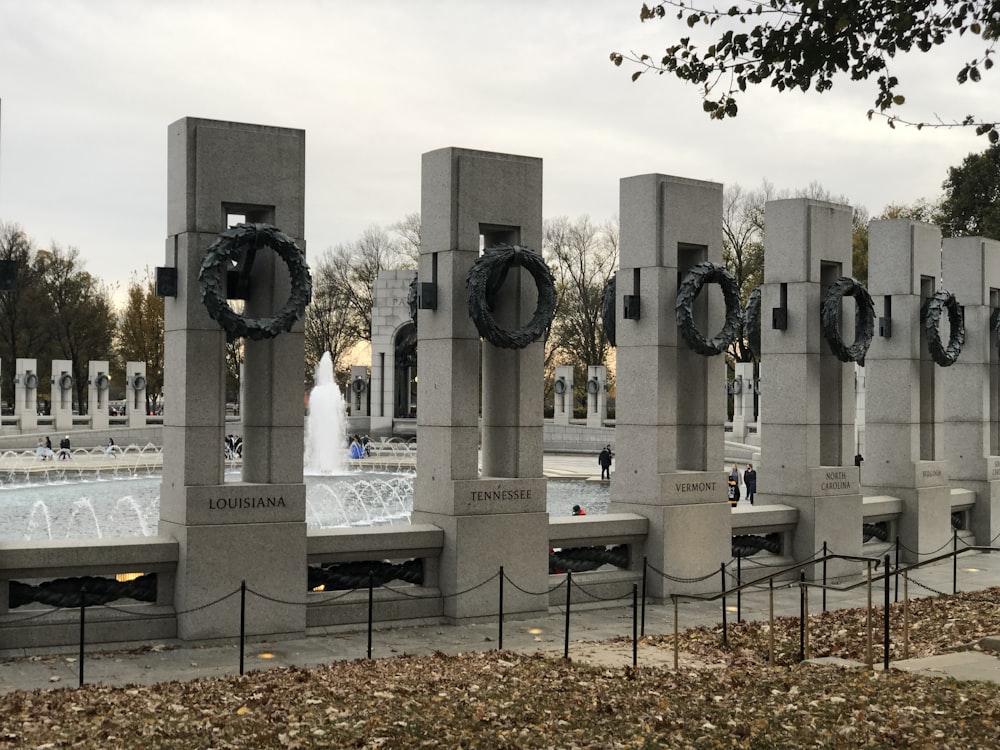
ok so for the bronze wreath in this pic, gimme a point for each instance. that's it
(694, 280)
(226, 249)
(864, 320)
(486, 277)
(930, 315)
(559, 386)
(751, 323)
(608, 309)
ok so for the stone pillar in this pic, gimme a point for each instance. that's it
(669, 431)
(252, 530)
(562, 391)
(98, 388)
(61, 394)
(135, 393)
(26, 394)
(597, 395)
(971, 408)
(807, 443)
(742, 390)
(500, 519)
(904, 397)
(359, 391)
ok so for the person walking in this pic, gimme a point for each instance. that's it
(604, 459)
(750, 480)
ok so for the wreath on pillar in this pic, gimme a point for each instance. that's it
(228, 249)
(691, 286)
(930, 317)
(484, 281)
(751, 323)
(864, 320)
(608, 309)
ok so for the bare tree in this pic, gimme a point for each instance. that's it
(583, 257)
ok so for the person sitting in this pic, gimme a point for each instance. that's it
(356, 451)
(112, 449)
(578, 511)
(64, 449)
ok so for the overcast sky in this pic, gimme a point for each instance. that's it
(89, 87)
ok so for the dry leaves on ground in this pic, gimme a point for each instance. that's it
(509, 700)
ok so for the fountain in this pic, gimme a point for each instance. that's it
(325, 437)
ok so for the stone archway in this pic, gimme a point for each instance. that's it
(405, 376)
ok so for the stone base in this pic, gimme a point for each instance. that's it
(925, 524)
(834, 519)
(475, 547)
(214, 560)
(684, 541)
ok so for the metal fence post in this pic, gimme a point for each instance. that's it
(825, 553)
(885, 629)
(83, 620)
(635, 624)
(569, 600)
(725, 630)
(243, 622)
(500, 623)
(802, 615)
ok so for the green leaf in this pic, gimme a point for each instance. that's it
(898, 99)
(635, 76)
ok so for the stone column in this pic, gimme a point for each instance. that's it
(98, 388)
(903, 404)
(562, 391)
(971, 404)
(597, 395)
(359, 391)
(500, 519)
(669, 431)
(742, 390)
(807, 443)
(135, 393)
(253, 530)
(62, 394)
(26, 394)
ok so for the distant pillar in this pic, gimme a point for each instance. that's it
(742, 390)
(26, 394)
(807, 443)
(904, 456)
(971, 386)
(222, 173)
(135, 394)
(62, 394)
(359, 391)
(471, 199)
(669, 435)
(562, 391)
(98, 388)
(597, 395)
